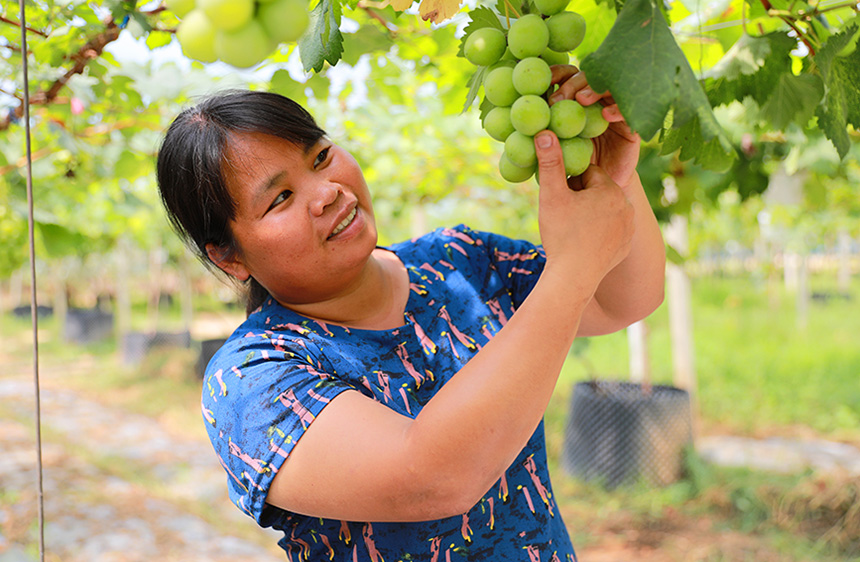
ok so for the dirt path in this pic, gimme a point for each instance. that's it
(117, 488)
(120, 488)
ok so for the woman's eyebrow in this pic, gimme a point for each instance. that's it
(264, 187)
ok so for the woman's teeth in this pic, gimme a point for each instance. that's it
(345, 223)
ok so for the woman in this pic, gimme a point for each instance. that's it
(385, 404)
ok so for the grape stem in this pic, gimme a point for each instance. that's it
(377, 17)
(508, 6)
(4, 19)
(789, 20)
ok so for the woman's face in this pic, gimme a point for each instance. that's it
(304, 222)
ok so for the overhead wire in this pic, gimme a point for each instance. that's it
(34, 311)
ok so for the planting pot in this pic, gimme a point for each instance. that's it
(622, 432)
(207, 350)
(136, 345)
(86, 325)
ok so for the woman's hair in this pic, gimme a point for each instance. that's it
(194, 155)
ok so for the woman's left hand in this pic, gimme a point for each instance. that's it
(617, 149)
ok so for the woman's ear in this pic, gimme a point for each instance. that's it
(228, 261)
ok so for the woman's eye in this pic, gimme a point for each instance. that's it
(321, 157)
(282, 196)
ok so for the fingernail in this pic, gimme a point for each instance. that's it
(555, 97)
(587, 91)
(544, 141)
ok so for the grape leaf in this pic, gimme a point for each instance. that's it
(368, 39)
(322, 41)
(480, 17)
(641, 64)
(794, 99)
(438, 11)
(841, 76)
(746, 56)
(752, 68)
(400, 5)
(474, 85)
(711, 154)
(283, 84)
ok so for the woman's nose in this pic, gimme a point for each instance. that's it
(325, 195)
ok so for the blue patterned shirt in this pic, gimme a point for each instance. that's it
(279, 369)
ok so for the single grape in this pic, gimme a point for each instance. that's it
(497, 123)
(245, 46)
(550, 7)
(196, 35)
(528, 36)
(577, 154)
(532, 76)
(567, 118)
(284, 20)
(485, 46)
(530, 114)
(554, 57)
(595, 123)
(520, 150)
(227, 15)
(499, 86)
(566, 31)
(513, 173)
(181, 7)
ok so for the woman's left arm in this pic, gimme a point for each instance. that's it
(634, 288)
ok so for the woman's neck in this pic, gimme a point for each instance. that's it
(376, 301)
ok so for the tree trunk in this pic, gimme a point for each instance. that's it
(844, 274)
(802, 295)
(186, 292)
(123, 296)
(680, 311)
(637, 342)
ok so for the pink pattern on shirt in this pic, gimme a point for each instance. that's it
(426, 266)
(289, 400)
(497, 310)
(426, 343)
(459, 248)
(403, 354)
(384, 384)
(374, 554)
(458, 235)
(461, 337)
(257, 464)
(531, 467)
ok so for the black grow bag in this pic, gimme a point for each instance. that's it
(88, 325)
(207, 350)
(618, 432)
(137, 345)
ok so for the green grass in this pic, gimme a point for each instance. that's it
(758, 372)
(757, 369)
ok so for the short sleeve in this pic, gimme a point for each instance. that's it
(261, 392)
(519, 263)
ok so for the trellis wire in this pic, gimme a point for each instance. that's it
(40, 500)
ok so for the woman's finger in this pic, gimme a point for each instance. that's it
(550, 161)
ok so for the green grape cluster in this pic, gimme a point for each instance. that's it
(238, 32)
(518, 81)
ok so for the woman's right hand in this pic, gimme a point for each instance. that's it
(586, 222)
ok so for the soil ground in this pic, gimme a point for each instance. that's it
(122, 487)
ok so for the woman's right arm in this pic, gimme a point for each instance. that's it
(361, 461)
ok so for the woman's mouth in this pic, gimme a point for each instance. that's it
(345, 223)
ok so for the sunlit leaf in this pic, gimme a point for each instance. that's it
(841, 76)
(438, 11)
(322, 41)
